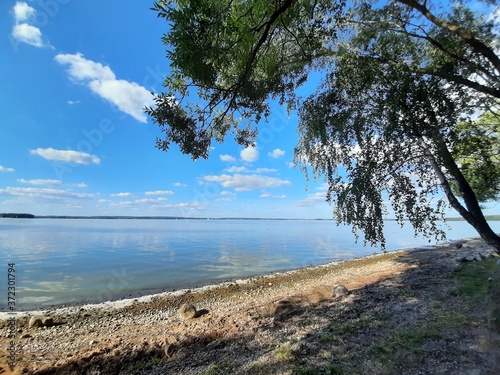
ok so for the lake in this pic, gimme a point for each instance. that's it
(68, 261)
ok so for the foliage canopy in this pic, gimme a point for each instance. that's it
(392, 119)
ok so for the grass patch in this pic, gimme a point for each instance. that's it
(404, 344)
(326, 338)
(213, 369)
(334, 369)
(352, 326)
(283, 353)
(473, 278)
(304, 371)
(140, 367)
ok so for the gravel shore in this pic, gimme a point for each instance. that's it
(284, 323)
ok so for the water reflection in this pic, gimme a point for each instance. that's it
(61, 261)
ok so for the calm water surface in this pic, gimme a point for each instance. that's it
(70, 261)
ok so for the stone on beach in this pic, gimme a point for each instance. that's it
(475, 255)
(40, 321)
(187, 311)
(339, 291)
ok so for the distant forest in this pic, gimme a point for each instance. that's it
(18, 216)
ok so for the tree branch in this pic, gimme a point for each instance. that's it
(477, 45)
(448, 77)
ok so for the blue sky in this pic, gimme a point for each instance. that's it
(75, 141)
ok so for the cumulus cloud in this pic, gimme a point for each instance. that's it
(277, 153)
(28, 34)
(40, 182)
(23, 31)
(250, 154)
(23, 12)
(129, 97)
(5, 169)
(159, 192)
(228, 158)
(66, 156)
(124, 194)
(241, 182)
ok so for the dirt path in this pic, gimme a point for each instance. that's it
(405, 314)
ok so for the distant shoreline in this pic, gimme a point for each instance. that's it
(111, 217)
(124, 217)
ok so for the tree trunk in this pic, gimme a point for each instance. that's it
(472, 213)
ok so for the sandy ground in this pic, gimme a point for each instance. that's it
(252, 326)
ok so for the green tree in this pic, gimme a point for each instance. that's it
(477, 151)
(379, 133)
(398, 78)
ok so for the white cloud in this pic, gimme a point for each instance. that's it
(66, 155)
(313, 199)
(267, 195)
(323, 187)
(235, 169)
(265, 170)
(40, 182)
(228, 158)
(23, 12)
(226, 196)
(124, 194)
(81, 69)
(129, 97)
(276, 153)
(137, 202)
(225, 199)
(23, 31)
(81, 185)
(71, 102)
(241, 182)
(249, 154)
(4, 169)
(179, 184)
(242, 169)
(43, 193)
(28, 34)
(159, 192)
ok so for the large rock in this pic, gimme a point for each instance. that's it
(187, 311)
(339, 291)
(40, 321)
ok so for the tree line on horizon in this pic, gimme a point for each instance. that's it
(17, 215)
(405, 111)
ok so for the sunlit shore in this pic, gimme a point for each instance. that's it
(248, 316)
